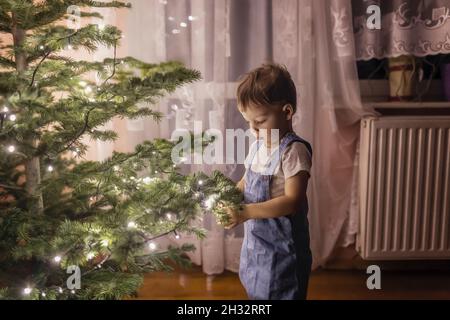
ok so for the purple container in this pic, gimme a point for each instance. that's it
(445, 75)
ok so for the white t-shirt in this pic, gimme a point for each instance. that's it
(296, 158)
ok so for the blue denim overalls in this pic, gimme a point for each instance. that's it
(275, 260)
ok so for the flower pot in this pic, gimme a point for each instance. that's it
(402, 78)
(445, 76)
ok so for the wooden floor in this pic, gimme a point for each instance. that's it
(324, 284)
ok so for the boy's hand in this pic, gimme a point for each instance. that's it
(236, 217)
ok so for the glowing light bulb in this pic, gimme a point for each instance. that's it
(69, 47)
(152, 246)
(90, 255)
(183, 24)
(169, 216)
(43, 294)
(5, 109)
(200, 182)
(210, 201)
(60, 290)
(147, 180)
(57, 258)
(11, 149)
(27, 290)
(131, 225)
(41, 47)
(50, 168)
(177, 236)
(12, 117)
(105, 242)
(88, 90)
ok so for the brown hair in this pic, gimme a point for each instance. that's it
(269, 84)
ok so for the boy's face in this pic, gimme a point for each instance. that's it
(268, 118)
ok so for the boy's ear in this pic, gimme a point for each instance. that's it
(289, 111)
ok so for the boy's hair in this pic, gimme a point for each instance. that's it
(269, 84)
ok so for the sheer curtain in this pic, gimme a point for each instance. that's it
(415, 27)
(225, 38)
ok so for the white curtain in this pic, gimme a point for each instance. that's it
(408, 27)
(225, 38)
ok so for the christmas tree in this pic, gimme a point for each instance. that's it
(62, 216)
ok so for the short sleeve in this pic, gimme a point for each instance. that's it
(296, 158)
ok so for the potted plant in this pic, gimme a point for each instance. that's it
(402, 77)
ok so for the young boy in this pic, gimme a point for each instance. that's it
(275, 260)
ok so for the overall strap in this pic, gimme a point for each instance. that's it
(253, 153)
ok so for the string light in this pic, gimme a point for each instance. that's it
(69, 47)
(88, 90)
(105, 242)
(60, 290)
(210, 201)
(76, 152)
(11, 149)
(5, 109)
(200, 182)
(183, 24)
(41, 47)
(50, 168)
(152, 246)
(27, 290)
(131, 225)
(43, 294)
(192, 18)
(12, 117)
(90, 255)
(72, 291)
(82, 83)
(175, 31)
(148, 180)
(169, 216)
(57, 258)
(177, 236)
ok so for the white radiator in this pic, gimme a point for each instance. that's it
(404, 183)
